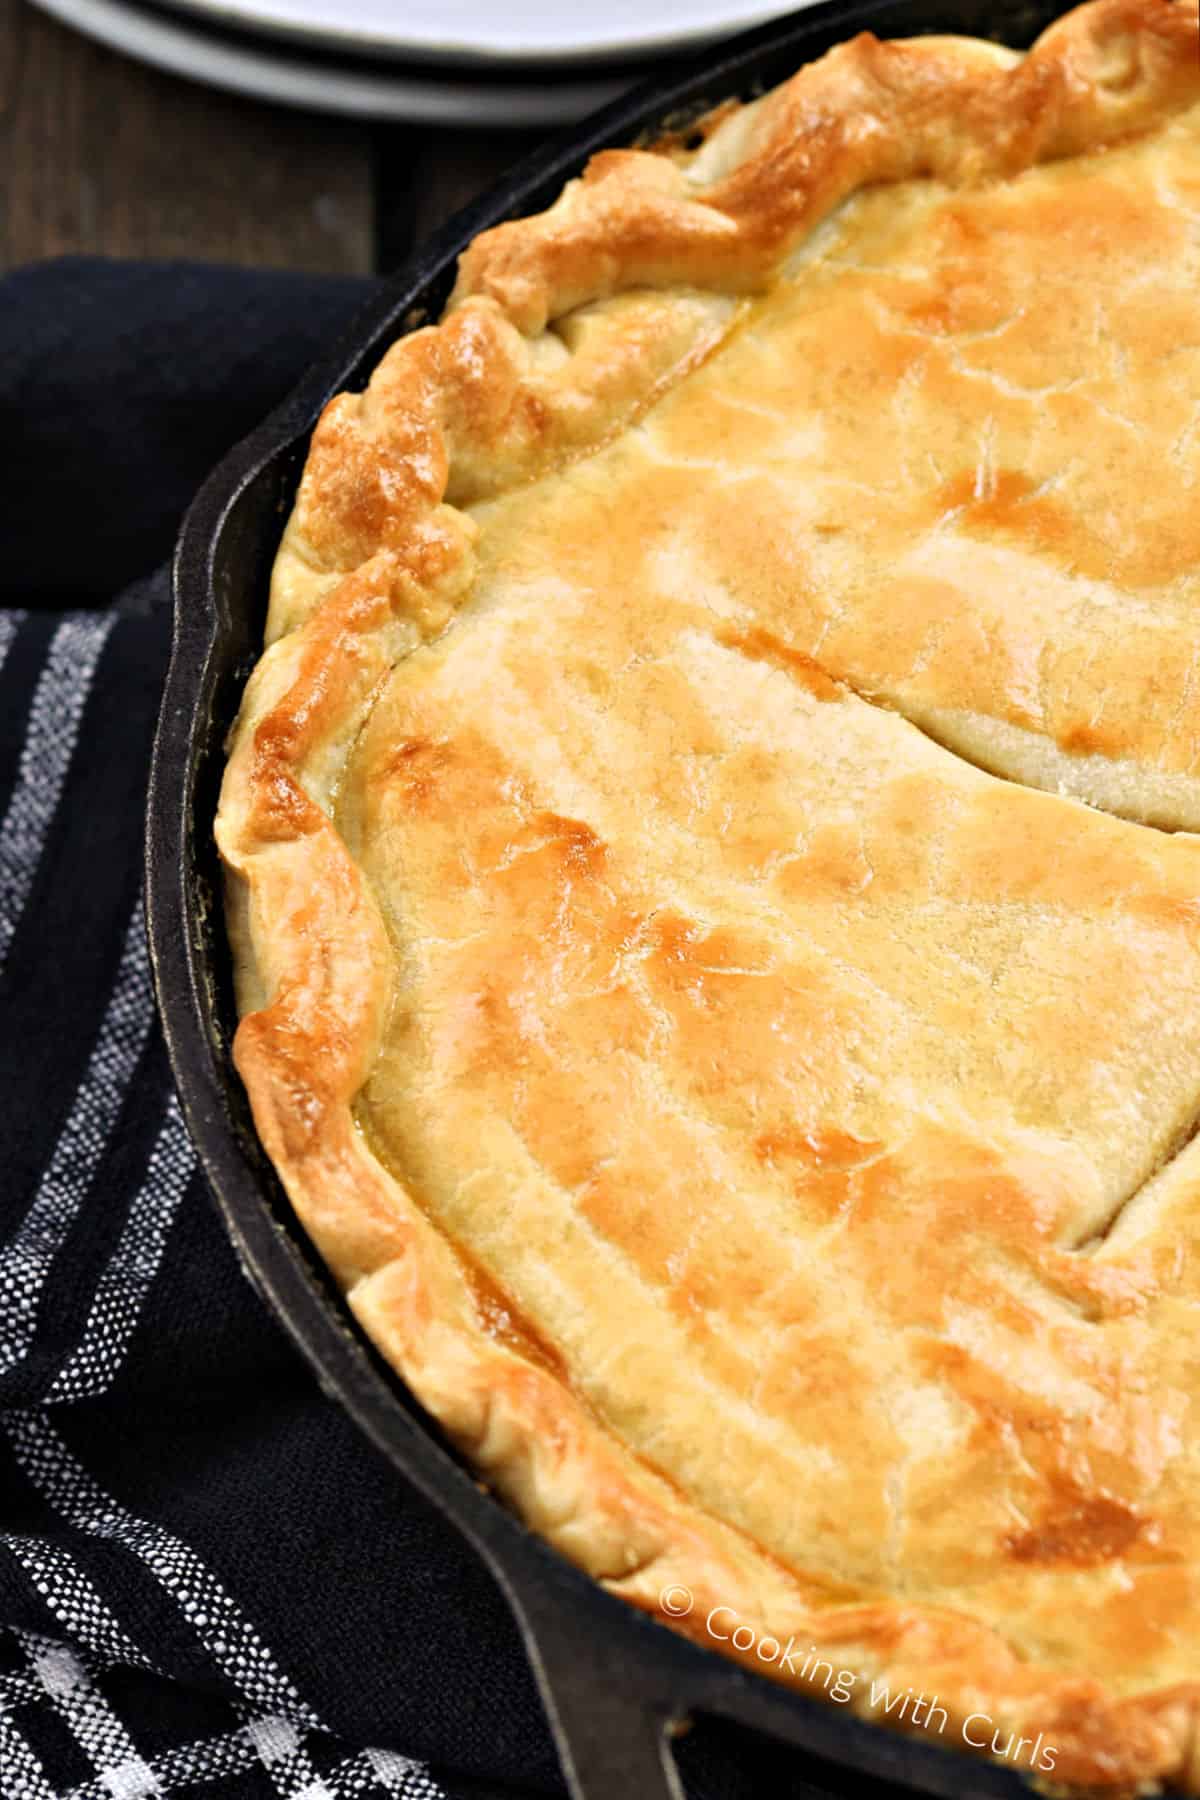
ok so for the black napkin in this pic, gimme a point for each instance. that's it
(210, 1585)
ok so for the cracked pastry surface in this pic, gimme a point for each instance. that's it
(736, 1078)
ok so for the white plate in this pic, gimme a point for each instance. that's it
(321, 83)
(504, 31)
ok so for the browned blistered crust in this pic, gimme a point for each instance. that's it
(375, 560)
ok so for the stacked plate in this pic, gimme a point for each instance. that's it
(454, 62)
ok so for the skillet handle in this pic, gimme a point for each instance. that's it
(611, 1715)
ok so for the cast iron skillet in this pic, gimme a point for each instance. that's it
(616, 1684)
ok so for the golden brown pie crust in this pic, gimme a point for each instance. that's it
(721, 1097)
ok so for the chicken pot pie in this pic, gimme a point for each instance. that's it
(712, 884)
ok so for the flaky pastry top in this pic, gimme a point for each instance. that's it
(711, 880)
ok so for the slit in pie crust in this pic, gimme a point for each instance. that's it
(712, 883)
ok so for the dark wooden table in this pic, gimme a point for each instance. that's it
(103, 155)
